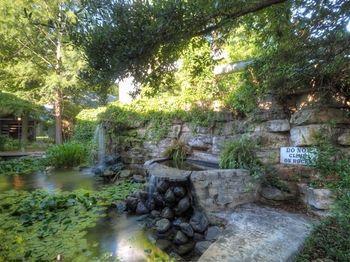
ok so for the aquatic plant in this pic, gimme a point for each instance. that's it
(177, 152)
(21, 166)
(40, 226)
(69, 154)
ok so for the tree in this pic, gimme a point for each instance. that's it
(137, 37)
(37, 54)
(308, 50)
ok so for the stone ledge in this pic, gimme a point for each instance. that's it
(263, 234)
(223, 189)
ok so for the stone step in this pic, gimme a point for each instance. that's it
(257, 233)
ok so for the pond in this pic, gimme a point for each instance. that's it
(117, 235)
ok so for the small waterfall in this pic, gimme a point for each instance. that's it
(101, 144)
(152, 185)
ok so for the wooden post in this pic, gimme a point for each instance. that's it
(24, 131)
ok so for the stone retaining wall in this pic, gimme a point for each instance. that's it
(273, 125)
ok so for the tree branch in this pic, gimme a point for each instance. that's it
(237, 14)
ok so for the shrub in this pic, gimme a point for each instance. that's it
(241, 154)
(66, 155)
(178, 152)
(8, 144)
(330, 240)
(2, 142)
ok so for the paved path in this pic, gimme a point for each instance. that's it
(261, 234)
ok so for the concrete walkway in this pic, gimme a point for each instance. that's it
(256, 233)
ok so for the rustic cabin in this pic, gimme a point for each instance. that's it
(11, 126)
(18, 117)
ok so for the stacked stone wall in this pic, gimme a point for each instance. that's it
(273, 125)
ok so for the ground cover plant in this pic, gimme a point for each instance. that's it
(40, 225)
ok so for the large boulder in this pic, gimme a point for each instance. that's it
(183, 205)
(319, 115)
(162, 186)
(212, 233)
(141, 208)
(278, 125)
(179, 191)
(180, 238)
(167, 213)
(169, 196)
(131, 203)
(187, 229)
(223, 189)
(276, 194)
(199, 222)
(200, 141)
(305, 135)
(316, 198)
(201, 246)
(163, 225)
(344, 138)
(185, 248)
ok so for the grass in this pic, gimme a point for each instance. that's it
(241, 154)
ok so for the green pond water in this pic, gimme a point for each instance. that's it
(118, 235)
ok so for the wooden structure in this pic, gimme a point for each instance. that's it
(11, 126)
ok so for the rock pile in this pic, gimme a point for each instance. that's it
(175, 224)
(109, 168)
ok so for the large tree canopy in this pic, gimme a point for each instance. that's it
(135, 37)
(303, 44)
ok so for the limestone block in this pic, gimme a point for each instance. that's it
(219, 142)
(224, 129)
(256, 233)
(316, 198)
(200, 141)
(293, 172)
(269, 108)
(230, 128)
(222, 190)
(157, 149)
(344, 138)
(269, 156)
(202, 130)
(270, 140)
(304, 135)
(204, 156)
(275, 194)
(186, 128)
(319, 116)
(175, 131)
(279, 125)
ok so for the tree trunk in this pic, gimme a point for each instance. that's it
(58, 91)
(24, 131)
(58, 117)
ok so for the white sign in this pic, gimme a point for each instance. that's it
(296, 155)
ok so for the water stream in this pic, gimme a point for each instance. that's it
(99, 139)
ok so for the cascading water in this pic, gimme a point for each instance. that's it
(101, 144)
(152, 184)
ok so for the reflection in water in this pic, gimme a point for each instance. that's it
(66, 180)
(124, 237)
(119, 235)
